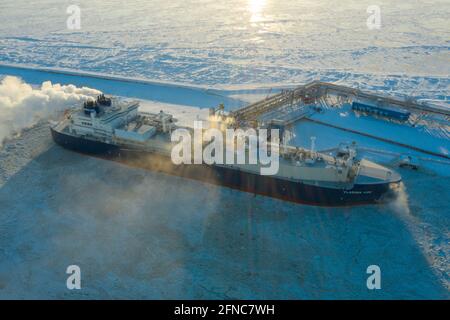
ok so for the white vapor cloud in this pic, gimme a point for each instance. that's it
(22, 106)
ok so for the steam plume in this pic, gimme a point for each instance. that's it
(22, 106)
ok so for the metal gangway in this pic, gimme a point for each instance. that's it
(314, 91)
(252, 112)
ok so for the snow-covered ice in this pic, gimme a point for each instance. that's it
(234, 41)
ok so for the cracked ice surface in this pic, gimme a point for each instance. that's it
(139, 234)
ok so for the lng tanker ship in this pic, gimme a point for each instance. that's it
(112, 128)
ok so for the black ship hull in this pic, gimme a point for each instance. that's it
(271, 186)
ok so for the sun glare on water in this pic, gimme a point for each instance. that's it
(256, 7)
